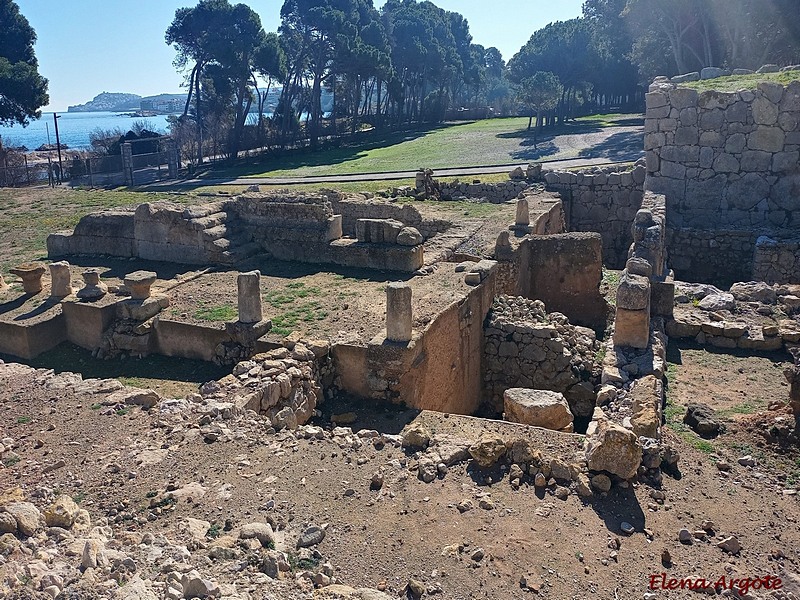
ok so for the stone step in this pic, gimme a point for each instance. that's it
(203, 210)
(208, 221)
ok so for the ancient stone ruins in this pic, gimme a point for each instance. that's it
(705, 232)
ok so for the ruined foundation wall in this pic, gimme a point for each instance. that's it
(564, 271)
(728, 164)
(776, 262)
(527, 348)
(602, 200)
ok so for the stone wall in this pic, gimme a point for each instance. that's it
(353, 207)
(603, 200)
(776, 262)
(439, 369)
(727, 162)
(564, 271)
(722, 256)
(495, 193)
(298, 227)
(527, 348)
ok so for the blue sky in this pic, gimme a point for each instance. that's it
(89, 46)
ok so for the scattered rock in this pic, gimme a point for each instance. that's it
(626, 528)
(62, 513)
(685, 536)
(259, 531)
(487, 451)
(602, 483)
(540, 408)
(730, 545)
(612, 448)
(416, 436)
(703, 419)
(27, 516)
(312, 536)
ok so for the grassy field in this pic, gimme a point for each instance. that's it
(29, 215)
(735, 83)
(479, 143)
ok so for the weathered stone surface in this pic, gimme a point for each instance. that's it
(487, 451)
(399, 318)
(540, 408)
(259, 531)
(62, 513)
(61, 279)
(702, 419)
(416, 436)
(647, 394)
(714, 302)
(612, 448)
(409, 236)
(29, 519)
(633, 292)
(754, 291)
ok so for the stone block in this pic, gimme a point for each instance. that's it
(633, 292)
(767, 139)
(726, 163)
(647, 394)
(662, 298)
(764, 112)
(681, 98)
(755, 161)
(61, 279)
(632, 328)
(249, 297)
(786, 162)
(539, 408)
(686, 136)
(139, 283)
(399, 316)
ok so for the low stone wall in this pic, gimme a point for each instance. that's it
(495, 193)
(527, 348)
(603, 200)
(281, 384)
(353, 207)
(287, 226)
(720, 257)
(776, 261)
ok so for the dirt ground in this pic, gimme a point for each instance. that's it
(117, 460)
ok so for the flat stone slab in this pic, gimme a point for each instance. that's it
(540, 408)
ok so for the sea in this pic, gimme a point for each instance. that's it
(74, 128)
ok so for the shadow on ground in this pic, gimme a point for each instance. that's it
(67, 357)
(619, 147)
(384, 417)
(341, 151)
(620, 505)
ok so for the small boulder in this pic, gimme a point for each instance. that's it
(612, 448)
(28, 517)
(312, 536)
(195, 586)
(409, 236)
(416, 436)
(703, 420)
(487, 451)
(540, 408)
(62, 513)
(714, 302)
(602, 483)
(754, 291)
(259, 531)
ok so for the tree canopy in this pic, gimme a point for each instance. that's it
(23, 91)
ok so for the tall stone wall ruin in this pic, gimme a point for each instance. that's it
(729, 166)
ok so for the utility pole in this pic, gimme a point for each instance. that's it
(58, 147)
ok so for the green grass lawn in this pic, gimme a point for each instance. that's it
(479, 143)
(735, 83)
(29, 215)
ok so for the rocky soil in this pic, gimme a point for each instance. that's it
(117, 493)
